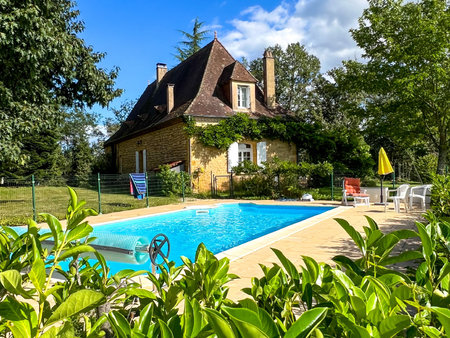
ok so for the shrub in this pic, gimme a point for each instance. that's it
(440, 195)
(363, 297)
(172, 182)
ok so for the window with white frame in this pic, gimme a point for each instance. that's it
(245, 152)
(243, 96)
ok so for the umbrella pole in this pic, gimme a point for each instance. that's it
(381, 192)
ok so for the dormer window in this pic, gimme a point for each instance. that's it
(243, 96)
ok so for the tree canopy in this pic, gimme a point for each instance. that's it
(405, 76)
(45, 66)
(193, 41)
(295, 73)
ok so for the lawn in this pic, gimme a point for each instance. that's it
(16, 202)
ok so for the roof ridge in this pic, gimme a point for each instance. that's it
(203, 76)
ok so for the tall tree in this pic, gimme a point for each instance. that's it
(44, 66)
(295, 72)
(193, 41)
(406, 73)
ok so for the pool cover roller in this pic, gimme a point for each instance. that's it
(114, 247)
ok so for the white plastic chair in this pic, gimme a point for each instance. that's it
(401, 196)
(420, 193)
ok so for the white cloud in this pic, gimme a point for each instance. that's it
(321, 25)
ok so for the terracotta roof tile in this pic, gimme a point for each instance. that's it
(198, 91)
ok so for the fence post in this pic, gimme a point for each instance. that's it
(99, 194)
(332, 185)
(146, 189)
(33, 198)
(182, 184)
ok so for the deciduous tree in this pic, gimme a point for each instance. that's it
(406, 71)
(44, 66)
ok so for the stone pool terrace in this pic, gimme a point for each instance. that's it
(319, 237)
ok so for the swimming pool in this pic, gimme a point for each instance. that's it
(222, 227)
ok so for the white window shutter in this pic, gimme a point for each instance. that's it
(261, 153)
(137, 161)
(233, 156)
(144, 161)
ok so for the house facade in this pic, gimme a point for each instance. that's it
(208, 86)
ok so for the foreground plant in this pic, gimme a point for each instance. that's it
(365, 297)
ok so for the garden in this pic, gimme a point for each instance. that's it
(363, 297)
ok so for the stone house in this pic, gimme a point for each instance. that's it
(208, 86)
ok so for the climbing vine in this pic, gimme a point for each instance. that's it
(345, 149)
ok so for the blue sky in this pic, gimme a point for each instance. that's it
(136, 34)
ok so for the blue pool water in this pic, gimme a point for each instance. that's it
(224, 227)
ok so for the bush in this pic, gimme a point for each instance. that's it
(440, 195)
(279, 178)
(363, 297)
(172, 182)
(426, 167)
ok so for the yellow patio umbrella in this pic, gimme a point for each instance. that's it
(384, 168)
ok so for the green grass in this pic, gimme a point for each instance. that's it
(16, 202)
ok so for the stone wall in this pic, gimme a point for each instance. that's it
(164, 145)
(207, 160)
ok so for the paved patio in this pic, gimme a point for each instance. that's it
(319, 237)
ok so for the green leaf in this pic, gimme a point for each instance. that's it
(307, 323)
(355, 235)
(80, 301)
(348, 264)
(12, 281)
(373, 238)
(373, 225)
(79, 232)
(145, 319)
(165, 331)
(75, 251)
(431, 331)
(443, 315)
(403, 257)
(313, 268)
(73, 199)
(141, 293)
(192, 317)
(359, 306)
(65, 331)
(21, 316)
(219, 324)
(119, 324)
(37, 274)
(392, 325)
(55, 228)
(287, 264)
(246, 321)
(426, 241)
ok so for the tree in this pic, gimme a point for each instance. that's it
(193, 41)
(406, 73)
(45, 66)
(295, 72)
(78, 130)
(120, 115)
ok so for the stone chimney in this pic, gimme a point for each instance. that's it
(161, 70)
(170, 97)
(269, 79)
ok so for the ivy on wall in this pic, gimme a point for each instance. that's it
(345, 149)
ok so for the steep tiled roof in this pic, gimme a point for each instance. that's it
(198, 91)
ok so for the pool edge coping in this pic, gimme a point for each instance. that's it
(259, 243)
